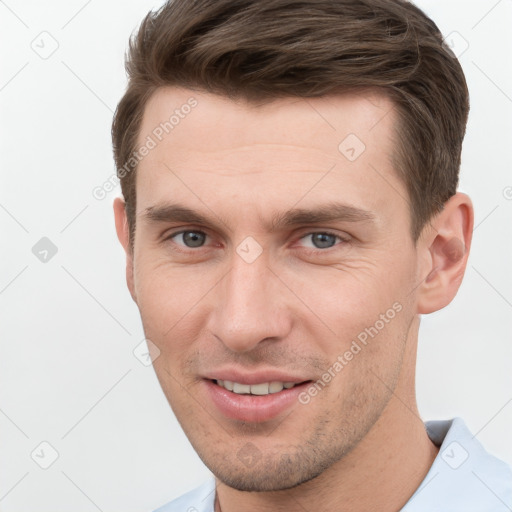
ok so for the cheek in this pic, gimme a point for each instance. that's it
(368, 315)
(347, 303)
(170, 302)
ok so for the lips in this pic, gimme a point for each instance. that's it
(255, 397)
(255, 377)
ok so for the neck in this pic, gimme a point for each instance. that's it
(381, 473)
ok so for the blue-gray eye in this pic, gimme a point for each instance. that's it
(191, 238)
(322, 240)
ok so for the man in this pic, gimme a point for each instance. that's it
(289, 172)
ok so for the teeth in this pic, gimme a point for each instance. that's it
(241, 389)
(260, 389)
(265, 388)
(275, 387)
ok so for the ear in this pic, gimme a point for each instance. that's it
(123, 234)
(446, 243)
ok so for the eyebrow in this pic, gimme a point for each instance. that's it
(330, 212)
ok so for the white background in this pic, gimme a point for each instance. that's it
(68, 326)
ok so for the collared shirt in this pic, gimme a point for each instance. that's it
(463, 478)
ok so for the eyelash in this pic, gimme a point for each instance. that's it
(183, 248)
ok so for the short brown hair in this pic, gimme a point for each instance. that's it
(261, 50)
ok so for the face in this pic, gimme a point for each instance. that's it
(273, 268)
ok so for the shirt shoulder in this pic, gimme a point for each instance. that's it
(201, 499)
(464, 476)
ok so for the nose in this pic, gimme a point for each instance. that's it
(250, 306)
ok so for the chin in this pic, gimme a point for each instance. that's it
(251, 482)
(277, 472)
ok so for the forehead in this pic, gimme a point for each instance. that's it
(213, 120)
(279, 151)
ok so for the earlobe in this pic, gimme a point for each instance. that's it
(123, 234)
(447, 251)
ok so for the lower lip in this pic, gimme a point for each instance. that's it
(253, 408)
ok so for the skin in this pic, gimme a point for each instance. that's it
(359, 444)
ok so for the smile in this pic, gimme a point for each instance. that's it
(254, 403)
(264, 388)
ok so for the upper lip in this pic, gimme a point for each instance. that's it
(254, 377)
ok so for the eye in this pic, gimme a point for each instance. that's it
(189, 239)
(321, 240)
